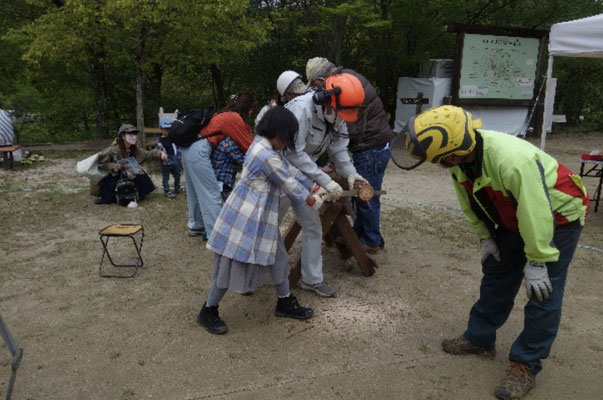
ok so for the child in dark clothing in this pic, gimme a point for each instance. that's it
(172, 165)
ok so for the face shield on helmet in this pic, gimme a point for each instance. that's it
(434, 134)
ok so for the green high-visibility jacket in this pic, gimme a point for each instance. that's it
(520, 188)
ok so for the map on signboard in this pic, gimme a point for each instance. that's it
(498, 67)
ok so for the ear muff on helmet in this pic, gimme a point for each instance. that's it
(440, 132)
(348, 100)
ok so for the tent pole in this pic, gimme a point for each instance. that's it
(549, 75)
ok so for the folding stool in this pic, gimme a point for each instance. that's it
(124, 231)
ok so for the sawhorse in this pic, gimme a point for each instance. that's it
(335, 225)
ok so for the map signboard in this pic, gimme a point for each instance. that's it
(498, 67)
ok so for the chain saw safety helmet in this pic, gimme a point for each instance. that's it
(440, 132)
(347, 95)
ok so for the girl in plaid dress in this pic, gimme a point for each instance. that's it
(248, 248)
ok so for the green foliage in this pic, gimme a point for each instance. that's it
(74, 63)
(579, 92)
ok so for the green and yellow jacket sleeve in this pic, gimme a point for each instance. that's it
(479, 225)
(527, 189)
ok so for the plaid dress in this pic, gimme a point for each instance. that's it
(246, 229)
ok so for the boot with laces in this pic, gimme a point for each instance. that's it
(209, 318)
(461, 346)
(517, 382)
(288, 307)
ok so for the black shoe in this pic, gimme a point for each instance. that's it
(288, 307)
(198, 232)
(210, 319)
(99, 201)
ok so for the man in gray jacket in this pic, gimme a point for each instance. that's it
(322, 129)
(369, 138)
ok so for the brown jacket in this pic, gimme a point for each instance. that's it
(108, 158)
(372, 127)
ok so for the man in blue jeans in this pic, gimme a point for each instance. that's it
(369, 138)
(528, 210)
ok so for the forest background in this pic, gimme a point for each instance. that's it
(83, 67)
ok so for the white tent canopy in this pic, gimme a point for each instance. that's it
(578, 38)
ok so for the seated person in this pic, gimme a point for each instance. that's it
(121, 160)
(226, 160)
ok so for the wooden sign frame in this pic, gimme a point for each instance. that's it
(462, 30)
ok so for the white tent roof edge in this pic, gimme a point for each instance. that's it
(578, 38)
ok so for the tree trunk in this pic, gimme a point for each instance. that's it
(218, 81)
(153, 97)
(337, 43)
(99, 85)
(139, 50)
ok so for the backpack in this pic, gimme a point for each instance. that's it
(186, 128)
(126, 191)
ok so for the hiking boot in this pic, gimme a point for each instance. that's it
(288, 307)
(197, 232)
(461, 346)
(371, 249)
(321, 288)
(209, 318)
(517, 382)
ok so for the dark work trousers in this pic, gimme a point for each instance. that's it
(371, 164)
(499, 287)
(166, 170)
(144, 185)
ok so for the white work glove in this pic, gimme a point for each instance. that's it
(537, 280)
(353, 177)
(315, 201)
(334, 191)
(489, 248)
(317, 189)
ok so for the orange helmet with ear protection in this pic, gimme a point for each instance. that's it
(348, 100)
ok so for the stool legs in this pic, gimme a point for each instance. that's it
(138, 264)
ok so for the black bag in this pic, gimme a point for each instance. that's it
(186, 128)
(126, 191)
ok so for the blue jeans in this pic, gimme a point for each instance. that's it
(499, 286)
(371, 164)
(202, 189)
(166, 170)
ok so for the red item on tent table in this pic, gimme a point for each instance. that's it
(594, 157)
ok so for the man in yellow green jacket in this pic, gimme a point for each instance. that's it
(528, 211)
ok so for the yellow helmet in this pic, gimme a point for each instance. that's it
(440, 132)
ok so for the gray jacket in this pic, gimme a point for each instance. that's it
(315, 137)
